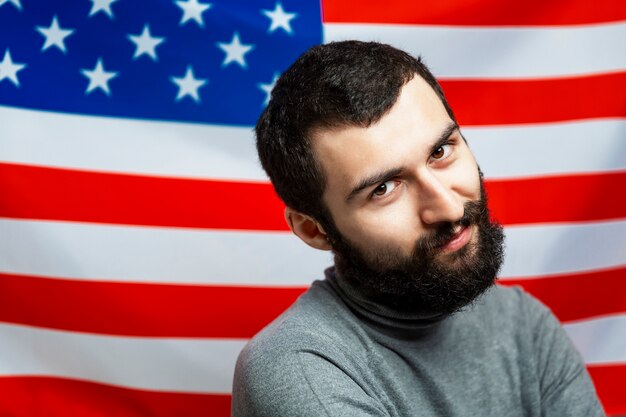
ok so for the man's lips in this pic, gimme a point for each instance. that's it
(460, 239)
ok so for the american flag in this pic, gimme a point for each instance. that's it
(141, 244)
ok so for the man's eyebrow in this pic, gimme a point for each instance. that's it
(373, 180)
(443, 137)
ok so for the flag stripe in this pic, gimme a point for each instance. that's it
(56, 397)
(542, 250)
(236, 311)
(549, 149)
(165, 364)
(158, 255)
(558, 199)
(59, 194)
(33, 395)
(586, 333)
(225, 152)
(142, 254)
(128, 146)
(479, 13)
(70, 195)
(536, 101)
(486, 53)
(609, 382)
(151, 310)
(187, 365)
(578, 296)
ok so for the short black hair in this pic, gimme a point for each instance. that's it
(348, 83)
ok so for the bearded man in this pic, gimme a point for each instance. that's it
(363, 148)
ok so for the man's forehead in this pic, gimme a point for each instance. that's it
(408, 130)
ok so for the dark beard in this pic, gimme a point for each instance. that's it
(424, 283)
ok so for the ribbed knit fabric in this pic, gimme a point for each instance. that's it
(334, 353)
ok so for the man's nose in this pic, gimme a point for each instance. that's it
(437, 201)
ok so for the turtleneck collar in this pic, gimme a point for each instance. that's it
(386, 319)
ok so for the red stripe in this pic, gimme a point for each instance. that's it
(52, 397)
(132, 309)
(166, 310)
(569, 198)
(30, 192)
(474, 12)
(501, 102)
(580, 295)
(609, 382)
(60, 194)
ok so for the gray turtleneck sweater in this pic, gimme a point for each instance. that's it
(333, 354)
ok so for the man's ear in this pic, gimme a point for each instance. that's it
(307, 229)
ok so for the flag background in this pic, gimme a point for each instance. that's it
(141, 245)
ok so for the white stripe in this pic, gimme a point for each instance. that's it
(503, 52)
(202, 151)
(198, 365)
(143, 254)
(557, 249)
(600, 340)
(184, 365)
(559, 148)
(124, 145)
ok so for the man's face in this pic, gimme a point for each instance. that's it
(409, 219)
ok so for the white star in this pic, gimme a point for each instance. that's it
(145, 43)
(192, 9)
(16, 3)
(55, 35)
(101, 6)
(99, 78)
(280, 18)
(267, 88)
(235, 51)
(9, 69)
(188, 85)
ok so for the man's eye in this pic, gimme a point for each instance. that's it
(385, 188)
(441, 152)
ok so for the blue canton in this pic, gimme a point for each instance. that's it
(207, 61)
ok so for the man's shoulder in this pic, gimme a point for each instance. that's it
(564, 384)
(273, 370)
(318, 322)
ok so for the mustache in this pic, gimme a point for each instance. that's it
(473, 211)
